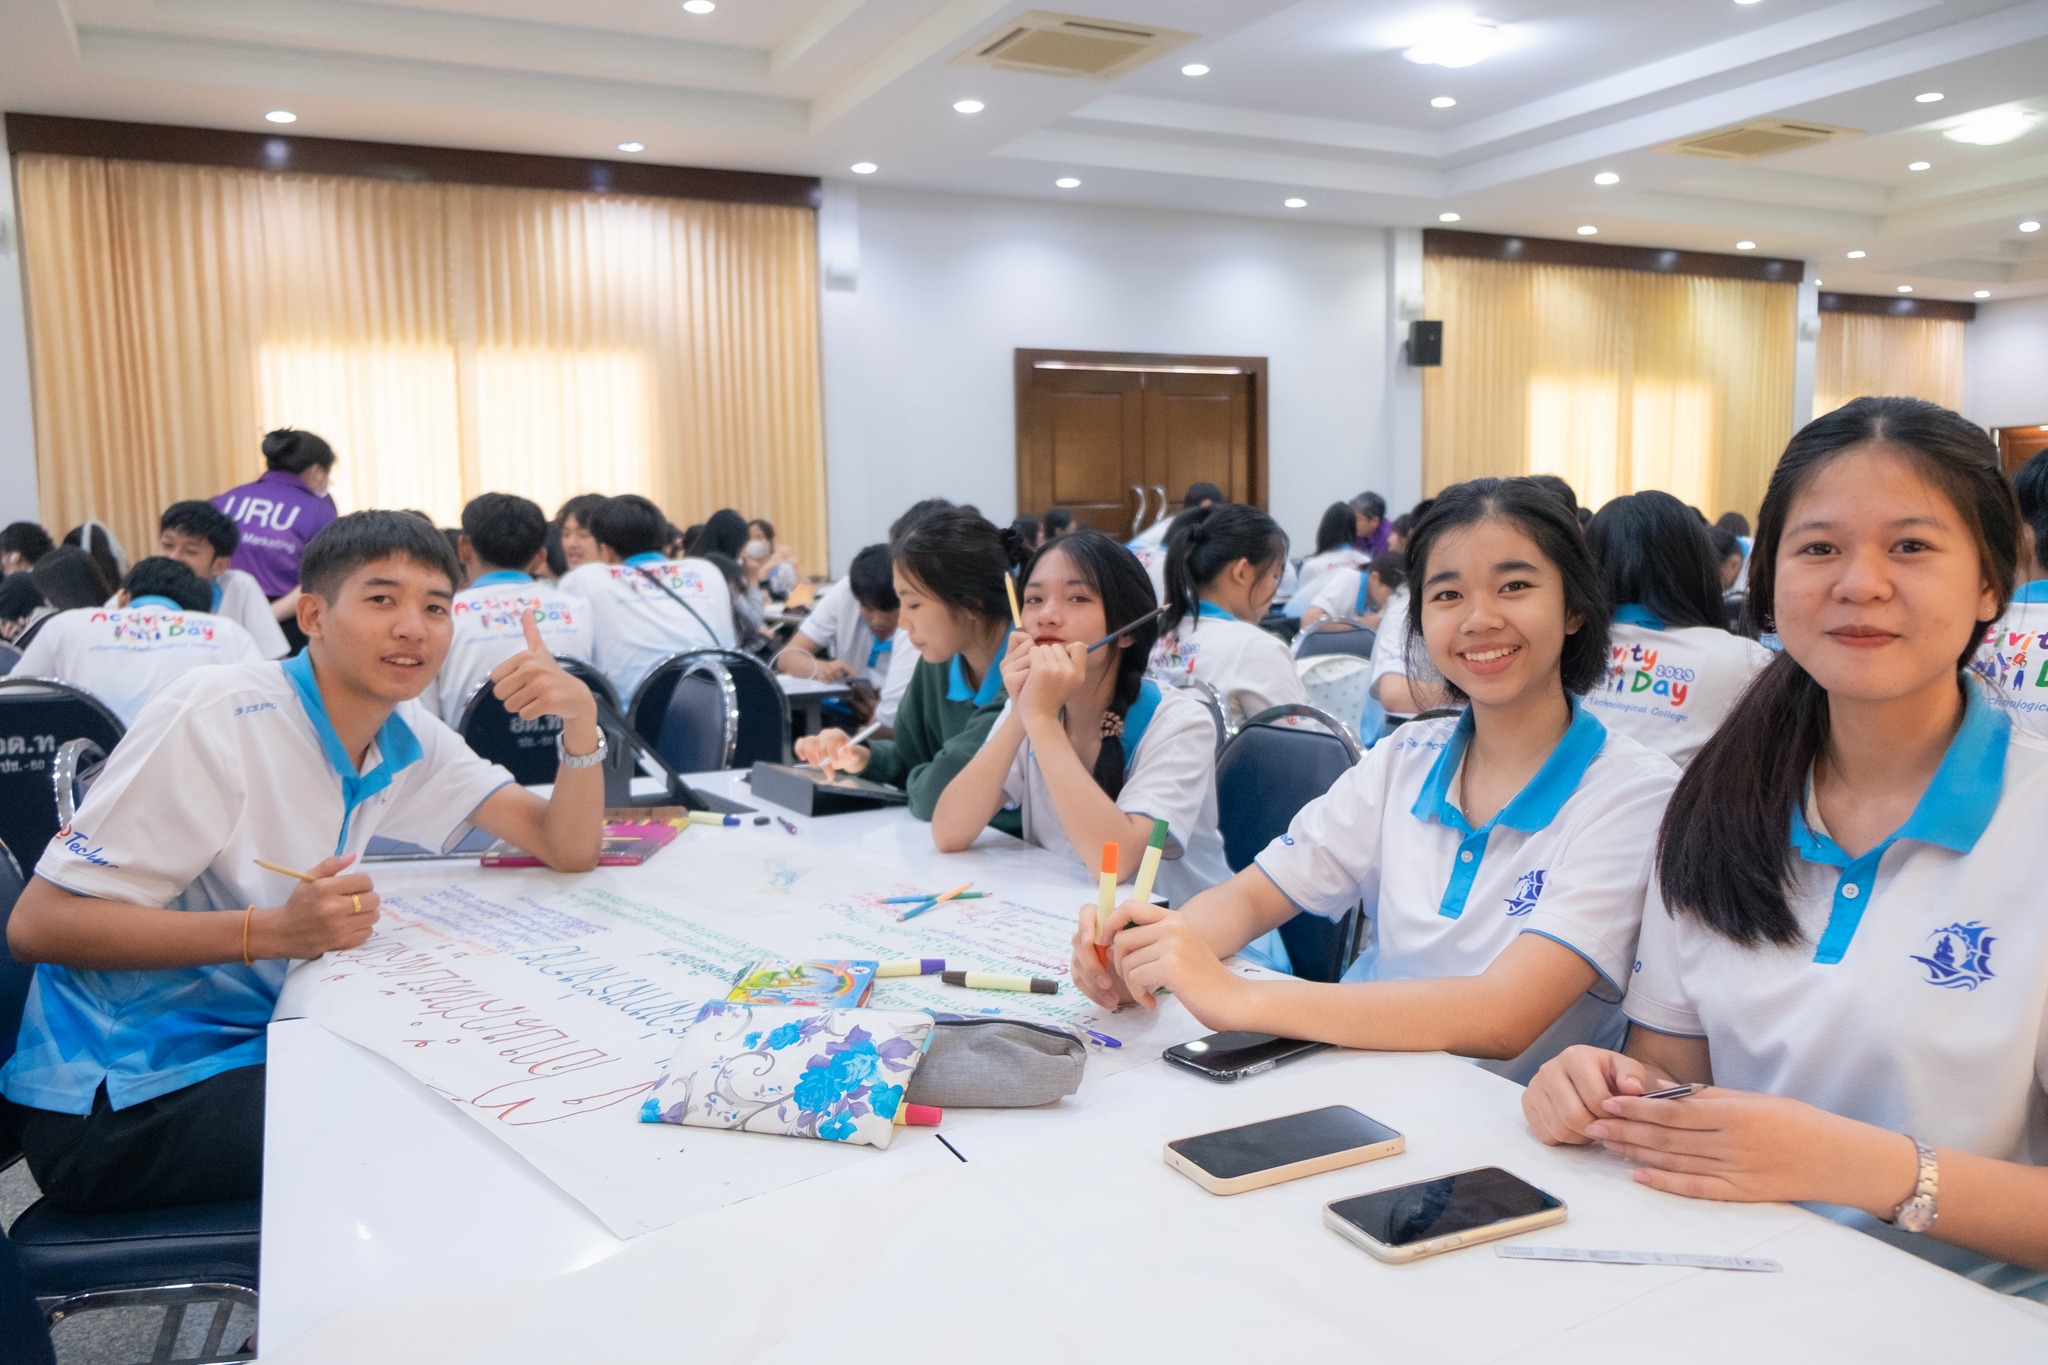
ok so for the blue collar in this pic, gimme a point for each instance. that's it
(881, 647)
(1211, 611)
(1138, 719)
(1635, 614)
(648, 557)
(397, 746)
(152, 600)
(1364, 591)
(1953, 812)
(991, 685)
(217, 594)
(2036, 591)
(498, 576)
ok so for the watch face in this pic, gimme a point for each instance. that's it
(1917, 1214)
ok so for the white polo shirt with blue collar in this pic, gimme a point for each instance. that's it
(490, 627)
(1672, 687)
(225, 766)
(2012, 662)
(1568, 858)
(1917, 996)
(1250, 668)
(636, 625)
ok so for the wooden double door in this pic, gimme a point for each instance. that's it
(1116, 438)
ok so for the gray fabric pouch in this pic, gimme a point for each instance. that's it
(996, 1063)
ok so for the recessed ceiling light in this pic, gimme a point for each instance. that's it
(1447, 217)
(1918, 165)
(282, 116)
(1457, 43)
(1745, 246)
(864, 168)
(1194, 69)
(1989, 130)
(1983, 294)
(1443, 102)
(698, 6)
(1294, 203)
(1817, 284)
(1905, 289)
(1607, 178)
(2030, 226)
(968, 106)
(1858, 255)
(1745, 2)
(1067, 182)
(632, 146)
(1587, 230)
(1931, 97)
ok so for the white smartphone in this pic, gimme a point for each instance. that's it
(1408, 1222)
(1272, 1151)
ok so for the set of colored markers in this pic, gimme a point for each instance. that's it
(980, 981)
(1141, 890)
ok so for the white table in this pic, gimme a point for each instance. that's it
(1064, 1229)
(807, 697)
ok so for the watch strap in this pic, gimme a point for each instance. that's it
(1918, 1210)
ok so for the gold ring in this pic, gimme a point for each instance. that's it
(357, 901)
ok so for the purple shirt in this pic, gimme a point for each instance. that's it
(276, 515)
(1374, 545)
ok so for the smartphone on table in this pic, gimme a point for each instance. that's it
(1272, 1151)
(1227, 1056)
(1408, 1222)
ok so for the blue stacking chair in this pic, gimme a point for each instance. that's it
(526, 749)
(1265, 774)
(711, 709)
(169, 1258)
(1335, 635)
(38, 717)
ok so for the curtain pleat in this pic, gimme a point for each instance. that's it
(1616, 380)
(1861, 354)
(447, 340)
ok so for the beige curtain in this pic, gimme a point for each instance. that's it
(1617, 380)
(1864, 353)
(447, 340)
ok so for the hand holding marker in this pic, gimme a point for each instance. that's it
(1141, 890)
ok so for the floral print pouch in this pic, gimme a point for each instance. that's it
(837, 1074)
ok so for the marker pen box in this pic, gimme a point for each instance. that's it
(808, 791)
(984, 1062)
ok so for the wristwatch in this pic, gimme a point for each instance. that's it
(1917, 1212)
(589, 760)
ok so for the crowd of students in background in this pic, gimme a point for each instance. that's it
(1644, 800)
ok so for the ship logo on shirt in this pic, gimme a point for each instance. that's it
(1527, 890)
(1960, 956)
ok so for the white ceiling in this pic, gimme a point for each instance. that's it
(1305, 98)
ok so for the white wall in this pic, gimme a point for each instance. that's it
(928, 295)
(17, 422)
(2005, 377)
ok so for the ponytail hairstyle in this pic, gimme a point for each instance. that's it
(1656, 554)
(1533, 508)
(1205, 542)
(1117, 577)
(295, 451)
(1723, 855)
(1335, 530)
(960, 559)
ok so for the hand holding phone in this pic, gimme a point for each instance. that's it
(1270, 1152)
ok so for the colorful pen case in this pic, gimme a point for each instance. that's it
(797, 1070)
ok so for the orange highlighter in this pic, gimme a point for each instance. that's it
(1105, 900)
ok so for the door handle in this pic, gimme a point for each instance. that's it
(1138, 520)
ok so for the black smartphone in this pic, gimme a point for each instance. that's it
(1227, 1056)
(1255, 1155)
(1408, 1222)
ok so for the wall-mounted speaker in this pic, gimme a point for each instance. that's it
(1425, 343)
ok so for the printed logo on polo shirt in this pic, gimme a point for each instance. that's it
(1527, 890)
(1633, 671)
(154, 627)
(77, 847)
(1961, 956)
(1173, 654)
(686, 581)
(2008, 658)
(510, 613)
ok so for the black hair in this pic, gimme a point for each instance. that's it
(1734, 523)
(1557, 488)
(1725, 544)
(1538, 513)
(582, 507)
(1390, 568)
(873, 580)
(349, 542)
(765, 527)
(915, 513)
(27, 539)
(202, 519)
(1656, 554)
(1027, 530)
(18, 597)
(2030, 483)
(961, 560)
(558, 559)
(1126, 592)
(1584, 516)
(1372, 504)
(162, 576)
(628, 525)
(296, 451)
(1335, 530)
(1058, 521)
(1206, 541)
(725, 533)
(1199, 493)
(1723, 856)
(68, 577)
(505, 530)
(96, 541)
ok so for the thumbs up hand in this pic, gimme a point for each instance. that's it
(531, 684)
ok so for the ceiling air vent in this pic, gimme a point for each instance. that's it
(1764, 137)
(1048, 44)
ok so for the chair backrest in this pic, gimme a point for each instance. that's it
(1264, 776)
(14, 976)
(757, 719)
(38, 716)
(764, 725)
(1335, 635)
(1338, 684)
(9, 657)
(687, 711)
(1219, 715)
(524, 748)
